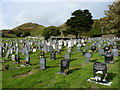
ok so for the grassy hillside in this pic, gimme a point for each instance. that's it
(34, 28)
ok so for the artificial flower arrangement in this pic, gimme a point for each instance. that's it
(92, 59)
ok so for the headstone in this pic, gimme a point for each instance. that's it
(27, 59)
(109, 57)
(7, 54)
(13, 57)
(42, 61)
(34, 50)
(67, 56)
(106, 48)
(100, 68)
(88, 56)
(101, 52)
(1, 51)
(84, 51)
(17, 59)
(53, 55)
(64, 65)
(93, 48)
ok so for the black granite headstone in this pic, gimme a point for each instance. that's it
(109, 57)
(64, 65)
(99, 67)
(93, 48)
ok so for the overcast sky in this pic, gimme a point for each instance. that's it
(47, 12)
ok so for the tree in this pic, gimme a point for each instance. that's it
(26, 33)
(112, 19)
(18, 33)
(50, 31)
(81, 21)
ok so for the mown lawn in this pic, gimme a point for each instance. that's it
(32, 77)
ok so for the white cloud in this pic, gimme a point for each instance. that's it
(45, 13)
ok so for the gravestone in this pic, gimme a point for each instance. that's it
(101, 52)
(100, 68)
(27, 59)
(109, 57)
(86, 47)
(1, 51)
(67, 56)
(7, 54)
(93, 48)
(34, 49)
(88, 56)
(106, 48)
(17, 51)
(53, 55)
(42, 61)
(64, 65)
(13, 57)
(115, 52)
(78, 47)
(17, 59)
(118, 47)
(84, 51)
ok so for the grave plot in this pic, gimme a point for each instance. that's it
(15, 76)
(100, 74)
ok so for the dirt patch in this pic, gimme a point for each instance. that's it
(23, 75)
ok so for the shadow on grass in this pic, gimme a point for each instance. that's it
(74, 69)
(73, 60)
(60, 58)
(51, 66)
(115, 61)
(111, 76)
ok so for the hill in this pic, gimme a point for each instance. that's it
(33, 28)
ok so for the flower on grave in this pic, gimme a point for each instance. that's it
(6, 66)
(99, 73)
(118, 50)
(90, 51)
(66, 71)
(92, 59)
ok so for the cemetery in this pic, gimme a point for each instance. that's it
(69, 63)
(57, 44)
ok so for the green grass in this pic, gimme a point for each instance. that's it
(49, 78)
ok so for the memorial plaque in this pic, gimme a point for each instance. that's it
(43, 63)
